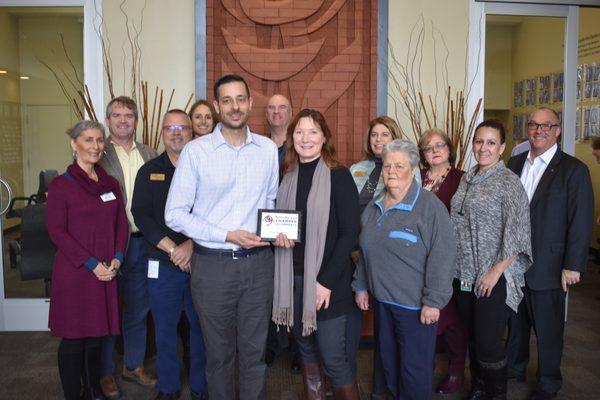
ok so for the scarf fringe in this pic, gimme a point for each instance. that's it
(283, 316)
(309, 322)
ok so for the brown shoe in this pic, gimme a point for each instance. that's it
(140, 376)
(349, 392)
(109, 387)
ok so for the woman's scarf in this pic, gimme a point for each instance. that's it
(88, 184)
(317, 219)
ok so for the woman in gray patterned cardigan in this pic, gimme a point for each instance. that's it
(490, 214)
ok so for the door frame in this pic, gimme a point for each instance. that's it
(32, 314)
(476, 55)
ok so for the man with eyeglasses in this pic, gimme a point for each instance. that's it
(561, 204)
(122, 159)
(169, 259)
(221, 181)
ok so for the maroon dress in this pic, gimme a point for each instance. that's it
(449, 323)
(84, 227)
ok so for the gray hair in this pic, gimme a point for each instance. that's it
(85, 125)
(404, 146)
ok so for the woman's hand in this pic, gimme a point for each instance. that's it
(282, 241)
(323, 295)
(115, 264)
(429, 315)
(362, 300)
(104, 273)
(487, 283)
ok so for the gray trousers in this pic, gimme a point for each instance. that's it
(233, 299)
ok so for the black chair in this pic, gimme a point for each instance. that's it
(33, 253)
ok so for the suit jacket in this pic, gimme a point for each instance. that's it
(110, 161)
(562, 218)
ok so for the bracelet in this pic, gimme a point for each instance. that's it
(171, 251)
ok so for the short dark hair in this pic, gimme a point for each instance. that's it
(126, 102)
(494, 124)
(596, 143)
(228, 79)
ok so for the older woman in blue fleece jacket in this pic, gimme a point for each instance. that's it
(407, 263)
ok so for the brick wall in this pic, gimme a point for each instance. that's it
(321, 54)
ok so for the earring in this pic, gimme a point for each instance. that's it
(74, 154)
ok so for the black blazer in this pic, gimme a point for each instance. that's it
(562, 219)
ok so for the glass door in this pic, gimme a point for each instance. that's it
(35, 44)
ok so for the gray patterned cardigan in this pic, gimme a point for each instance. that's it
(490, 215)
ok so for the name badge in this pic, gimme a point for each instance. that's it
(466, 286)
(157, 177)
(110, 196)
(153, 269)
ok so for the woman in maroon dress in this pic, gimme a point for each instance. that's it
(440, 177)
(86, 220)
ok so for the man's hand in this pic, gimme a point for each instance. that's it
(429, 315)
(362, 300)
(245, 239)
(323, 295)
(569, 277)
(182, 254)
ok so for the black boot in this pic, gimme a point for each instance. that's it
(70, 364)
(495, 384)
(477, 384)
(91, 369)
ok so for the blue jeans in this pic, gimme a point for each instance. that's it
(168, 295)
(134, 290)
(407, 350)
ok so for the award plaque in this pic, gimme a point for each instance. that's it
(273, 222)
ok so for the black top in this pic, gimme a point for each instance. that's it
(148, 204)
(305, 176)
(342, 233)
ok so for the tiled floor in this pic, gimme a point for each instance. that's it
(28, 361)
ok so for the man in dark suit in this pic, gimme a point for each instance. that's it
(561, 209)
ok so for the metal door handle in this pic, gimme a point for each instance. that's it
(10, 196)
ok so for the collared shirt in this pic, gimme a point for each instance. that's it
(219, 188)
(148, 204)
(130, 164)
(534, 169)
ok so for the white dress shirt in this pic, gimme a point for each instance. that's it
(534, 169)
(219, 188)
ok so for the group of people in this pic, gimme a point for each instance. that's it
(431, 249)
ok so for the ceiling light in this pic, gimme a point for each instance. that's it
(24, 77)
(3, 71)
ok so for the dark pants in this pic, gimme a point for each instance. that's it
(517, 342)
(169, 294)
(136, 305)
(233, 299)
(546, 313)
(79, 358)
(455, 335)
(327, 344)
(407, 350)
(485, 319)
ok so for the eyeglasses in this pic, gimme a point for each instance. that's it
(176, 128)
(533, 126)
(429, 149)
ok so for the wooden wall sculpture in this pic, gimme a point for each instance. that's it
(321, 54)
